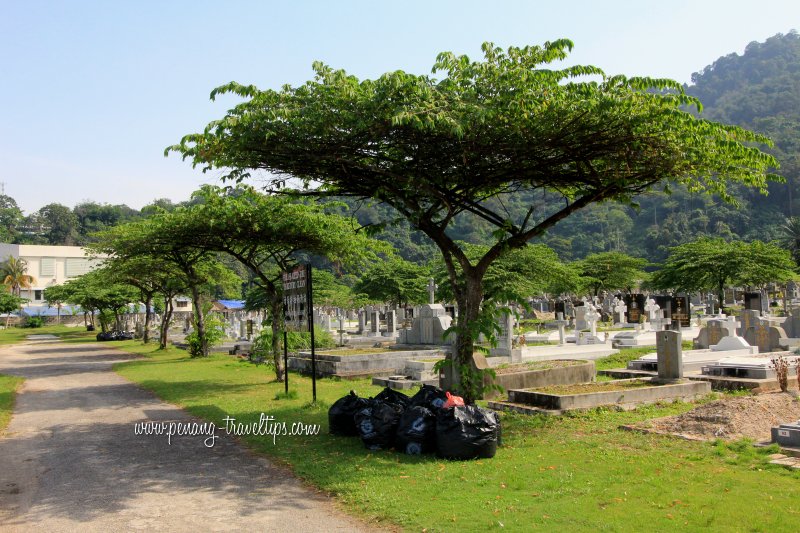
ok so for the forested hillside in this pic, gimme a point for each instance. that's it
(759, 90)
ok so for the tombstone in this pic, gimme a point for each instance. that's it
(374, 324)
(749, 319)
(792, 324)
(243, 330)
(660, 321)
(560, 324)
(505, 339)
(560, 308)
(767, 338)
(619, 312)
(756, 301)
(592, 316)
(651, 307)
(669, 354)
(362, 322)
(391, 324)
(569, 309)
(636, 304)
(681, 317)
(710, 335)
(428, 327)
(580, 318)
(432, 291)
(341, 330)
(792, 290)
(326, 322)
(450, 310)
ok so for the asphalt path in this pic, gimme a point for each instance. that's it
(70, 459)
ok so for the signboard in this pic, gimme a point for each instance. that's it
(295, 296)
(298, 307)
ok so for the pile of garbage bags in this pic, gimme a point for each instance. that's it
(430, 421)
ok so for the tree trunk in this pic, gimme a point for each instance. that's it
(276, 310)
(199, 320)
(147, 317)
(162, 342)
(464, 377)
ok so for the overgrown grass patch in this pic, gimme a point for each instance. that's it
(624, 356)
(8, 388)
(576, 472)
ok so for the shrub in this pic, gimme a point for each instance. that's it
(34, 322)
(781, 366)
(215, 331)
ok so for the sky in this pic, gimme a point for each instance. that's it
(92, 92)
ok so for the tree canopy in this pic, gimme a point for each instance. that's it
(437, 150)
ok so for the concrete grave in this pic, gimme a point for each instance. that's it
(748, 319)
(429, 327)
(391, 324)
(749, 366)
(374, 324)
(787, 435)
(505, 339)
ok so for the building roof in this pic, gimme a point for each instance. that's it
(232, 305)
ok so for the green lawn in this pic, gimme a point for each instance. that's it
(8, 387)
(67, 334)
(578, 472)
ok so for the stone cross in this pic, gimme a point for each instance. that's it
(432, 286)
(620, 310)
(560, 322)
(730, 325)
(592, 316)
(651, 307)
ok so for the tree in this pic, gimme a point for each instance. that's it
(97, 290)
(438, 151)
(267, 234)
(10, 218)
(611, 271)
(712, 264)
(9, 303)
(395, 281)
(791, 237)
(59, 224)
(15, 277)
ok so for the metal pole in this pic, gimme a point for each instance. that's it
(310, 303)
(285, 361)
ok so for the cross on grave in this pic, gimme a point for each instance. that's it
(432, 286)
(620, 310)
(561, 323)
(592, 316)
(651, 307)
(730, 325)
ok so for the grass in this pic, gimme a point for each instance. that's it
(573, 473)
(621, 359)
(8, 388)
(583, 388)
(76, 334)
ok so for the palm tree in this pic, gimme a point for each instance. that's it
(791, 237)
(13, 272)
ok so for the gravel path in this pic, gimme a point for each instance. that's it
(70, 461)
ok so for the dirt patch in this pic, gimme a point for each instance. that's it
(749, 417)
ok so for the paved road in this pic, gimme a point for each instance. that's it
(70, 460)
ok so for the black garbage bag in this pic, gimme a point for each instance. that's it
(467, 432)
(341, 413)
(429, 396)
(416, 431)
(388, 395)
(377, 424)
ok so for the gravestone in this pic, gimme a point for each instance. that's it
(362, 322)
(681, 312)
(391, 324)
(432, 291)
(561, 324)
(792, 324)
(374, 324)
(619, 312)
(580, 318)
(669, 354)
(636, 304)
(450, 310)
(749, 318)
(756, 301)
(767, 338)
(505, 339)
(592, 316)
(428, 327)
(711, 334)
(660, 321)
(561, 308)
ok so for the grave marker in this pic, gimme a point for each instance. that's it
(669, 354)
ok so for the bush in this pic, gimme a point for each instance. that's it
(215, 331)
(34, 322)
(296, 340)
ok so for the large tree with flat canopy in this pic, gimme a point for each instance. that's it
(439, 149)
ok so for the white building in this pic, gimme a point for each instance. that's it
(48, 265)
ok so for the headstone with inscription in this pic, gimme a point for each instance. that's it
(669, 355)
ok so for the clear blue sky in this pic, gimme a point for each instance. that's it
(92, 92)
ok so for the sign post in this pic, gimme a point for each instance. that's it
(298, 306)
